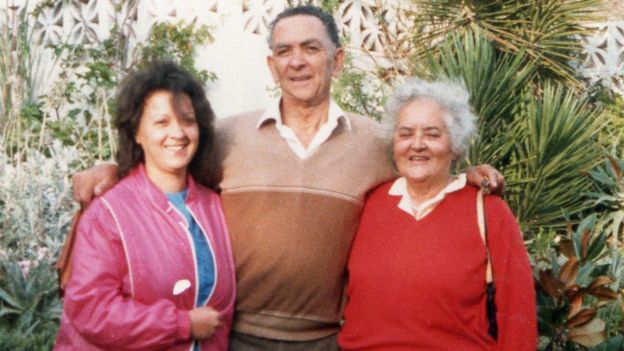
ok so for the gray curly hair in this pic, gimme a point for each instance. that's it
(453, 96)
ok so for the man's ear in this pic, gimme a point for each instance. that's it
(339, 56)
(271, 65)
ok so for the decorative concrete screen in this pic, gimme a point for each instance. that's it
(604, 59)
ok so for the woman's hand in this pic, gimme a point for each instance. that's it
(204, 321)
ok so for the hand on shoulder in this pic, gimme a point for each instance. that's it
(486, 176)
(94, 181)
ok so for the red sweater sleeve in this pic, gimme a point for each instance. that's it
(95, 302)
(515, 293)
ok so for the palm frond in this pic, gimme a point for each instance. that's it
(547, 31)
(494, 81)
(554, 148)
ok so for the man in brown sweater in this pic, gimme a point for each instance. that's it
(294, 181)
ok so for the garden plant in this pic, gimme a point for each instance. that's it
(557, 138)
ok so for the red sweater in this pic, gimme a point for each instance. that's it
(420, 285)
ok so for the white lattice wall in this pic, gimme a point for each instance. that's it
(604, 59)
(238, 54)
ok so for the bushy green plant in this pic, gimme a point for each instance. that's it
(612, 136)
(495, 82)
(178, 42)
(30, 309)
(35, 199)
(35, 217)
(90, 73)
(358, 91)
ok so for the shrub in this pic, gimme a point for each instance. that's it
(36, 214)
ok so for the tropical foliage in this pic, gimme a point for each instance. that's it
(544, 31)
(542, 143)
(557, 140)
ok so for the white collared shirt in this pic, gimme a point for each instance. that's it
(335, 114)
(399, 188)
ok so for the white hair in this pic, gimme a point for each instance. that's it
(453, 96)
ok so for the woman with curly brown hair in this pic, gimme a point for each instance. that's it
(152, 266)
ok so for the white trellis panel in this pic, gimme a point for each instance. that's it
(604, 60)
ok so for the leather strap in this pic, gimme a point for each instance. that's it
(63, 264)
(483, 232)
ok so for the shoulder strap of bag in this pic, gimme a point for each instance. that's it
(63, 264)
(483, 232)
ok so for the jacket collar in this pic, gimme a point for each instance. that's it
(139, 178)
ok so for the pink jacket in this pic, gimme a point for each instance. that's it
(131, 249)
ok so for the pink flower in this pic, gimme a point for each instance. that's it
(42, 253)
(25, 267)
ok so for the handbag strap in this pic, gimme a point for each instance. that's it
(63, 264)
(483, 232)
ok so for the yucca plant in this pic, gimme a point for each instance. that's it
(549, 32)
(554, 147)
(495, 82)
(543, 141)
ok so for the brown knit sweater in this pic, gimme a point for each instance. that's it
(292, 221)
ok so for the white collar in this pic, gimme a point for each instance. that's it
(273, 112)
(399, 188)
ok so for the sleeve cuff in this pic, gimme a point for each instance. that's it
(184, 325)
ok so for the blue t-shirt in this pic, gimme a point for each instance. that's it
(203, 252)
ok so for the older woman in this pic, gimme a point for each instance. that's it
(152, 266)
(418, 263)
